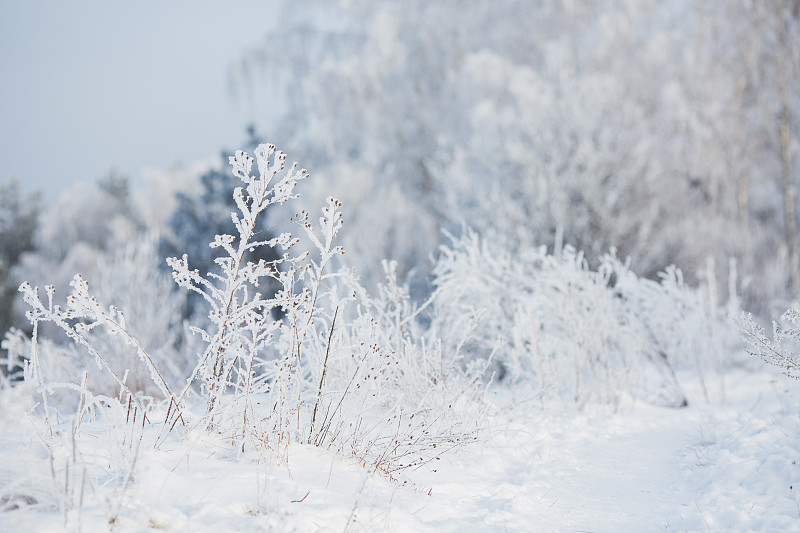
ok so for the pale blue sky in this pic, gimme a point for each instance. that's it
(91, 85)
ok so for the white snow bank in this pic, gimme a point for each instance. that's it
(708, 467)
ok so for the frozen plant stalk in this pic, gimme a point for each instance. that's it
(83, 314)
(776, 351)
(240, 315)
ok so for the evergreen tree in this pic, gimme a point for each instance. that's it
(18, 218)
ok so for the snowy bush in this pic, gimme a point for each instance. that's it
(571, 332)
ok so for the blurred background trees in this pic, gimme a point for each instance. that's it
(18, 218)
(669, 130)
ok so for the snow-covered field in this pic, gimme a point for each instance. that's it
(712, 466)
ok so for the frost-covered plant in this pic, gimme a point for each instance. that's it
(559, 327)
(782, 350)
(130, 277)
(247, 351)
(337, 369)
(204, 211)
(568, 331)
(241, 325)
(83, 314)
(686, 326)
(341, 369)
(392, 395)
(15, 346)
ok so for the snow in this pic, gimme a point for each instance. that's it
(711, 466)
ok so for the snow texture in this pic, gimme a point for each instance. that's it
(707, 467)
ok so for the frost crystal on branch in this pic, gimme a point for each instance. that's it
(778, 351)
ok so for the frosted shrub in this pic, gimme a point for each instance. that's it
(568, 331)
(419, 396)
(84, 313)
(558, 327)
(684, 326)
(132, 279)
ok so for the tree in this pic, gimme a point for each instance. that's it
(84, 226)
(18, 219)
(667, 131)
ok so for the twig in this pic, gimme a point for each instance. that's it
(301, 500)
(324, 370)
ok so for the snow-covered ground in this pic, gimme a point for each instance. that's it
(712, 466)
